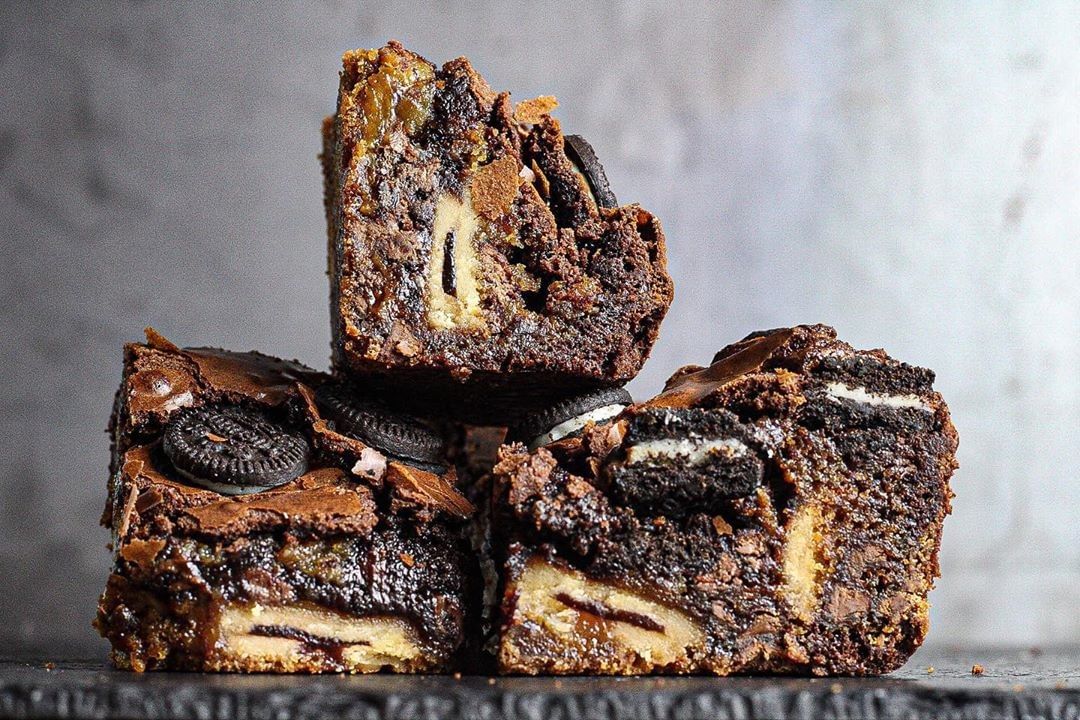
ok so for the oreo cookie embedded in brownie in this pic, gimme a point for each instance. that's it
(252, 533)
(479, 262)
(779, 511)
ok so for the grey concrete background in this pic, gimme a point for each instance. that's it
(907, 172)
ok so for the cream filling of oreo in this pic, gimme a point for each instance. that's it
(693, 452)
(571, 426)
(840, 391)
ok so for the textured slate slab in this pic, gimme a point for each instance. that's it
(1014, 685)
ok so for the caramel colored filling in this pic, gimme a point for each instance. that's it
(287, 636)
(390, 94)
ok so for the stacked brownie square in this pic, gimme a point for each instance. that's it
(471, 486)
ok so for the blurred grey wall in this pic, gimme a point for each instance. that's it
(909, 173)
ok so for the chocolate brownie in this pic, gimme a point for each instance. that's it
(258, 526)
(478, 261)
(779, 511)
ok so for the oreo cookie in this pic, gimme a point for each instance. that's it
(677, 462)
(584, 158)
(372, 422)
(567, 418)
(233, 450)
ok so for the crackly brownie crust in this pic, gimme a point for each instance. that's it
(359, 564)
(467, 252)
(813, 551)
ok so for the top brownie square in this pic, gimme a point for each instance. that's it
(474, 248)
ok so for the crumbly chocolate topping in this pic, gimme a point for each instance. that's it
(258, 377)
(412, 487)
(160, 377)
(426, 491)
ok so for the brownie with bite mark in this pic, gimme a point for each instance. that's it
(779, 511)
(478, 262)
(251, 534)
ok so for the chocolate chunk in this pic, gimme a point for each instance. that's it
(581, 153)
(449, 274)
(567, 418)
(370, 421)
(233, 450)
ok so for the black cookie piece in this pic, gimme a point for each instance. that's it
(682, 462)
(568, 417)
(233, 450)
(581, 153)
(371, 422)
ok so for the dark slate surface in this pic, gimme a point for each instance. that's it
(1015, 684)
